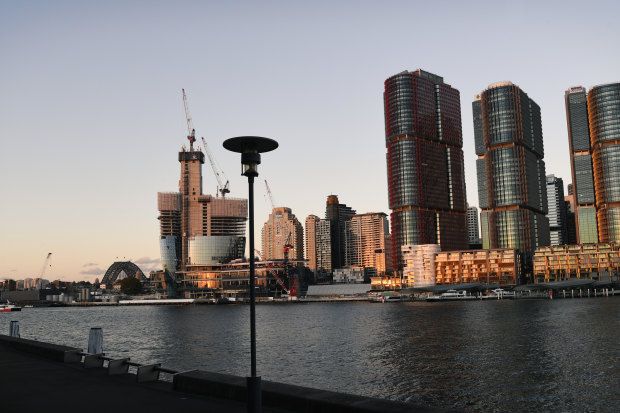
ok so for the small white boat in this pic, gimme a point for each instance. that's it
(9, 307)
(386, 298)
(498, 294)
(451, 295)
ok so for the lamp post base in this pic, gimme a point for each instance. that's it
(255, 400)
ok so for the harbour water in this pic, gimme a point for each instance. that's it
(505, 355)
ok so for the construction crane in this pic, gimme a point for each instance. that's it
(190, 127)
(272, 272)
(222, 188)
(48, 259)
(273, 204)
(288, 246)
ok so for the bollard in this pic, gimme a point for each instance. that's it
(14, 329)
(95, 341)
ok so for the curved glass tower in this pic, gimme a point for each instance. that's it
(511, 170)
(426, 180)
(604, 121)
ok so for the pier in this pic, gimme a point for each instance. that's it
(66, 378)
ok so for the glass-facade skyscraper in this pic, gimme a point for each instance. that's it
(558, 228)
(581, 165)
(593, 120)
(510, 167)
(426, 180)
(604, 119)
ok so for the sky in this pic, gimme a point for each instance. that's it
(92, 117)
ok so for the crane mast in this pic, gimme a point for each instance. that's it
(273, 205)
(223, 188)
(190, 127)
(47, 260)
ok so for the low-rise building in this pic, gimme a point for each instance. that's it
(560, 262)
(494, 266)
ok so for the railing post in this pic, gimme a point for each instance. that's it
(95, 341)
(14, 329)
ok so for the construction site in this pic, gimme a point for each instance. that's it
(202, 238)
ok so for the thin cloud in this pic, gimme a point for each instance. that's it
(90, 264)
(147, 260)
(92, 271)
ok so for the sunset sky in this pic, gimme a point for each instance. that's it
(92, 117)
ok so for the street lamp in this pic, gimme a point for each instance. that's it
(250, 148)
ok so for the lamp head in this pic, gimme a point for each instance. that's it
(250, 148)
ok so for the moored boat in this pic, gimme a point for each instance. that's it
(9, 307)
(451, 295)
(499, 294)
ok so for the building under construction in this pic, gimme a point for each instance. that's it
(202, 237)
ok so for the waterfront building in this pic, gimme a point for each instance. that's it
(337, 214)
(558, 228)
(473, 234)
(310, 241)
(419, 269)
(581, 164)
(197, 229)
(594, 138)
(489, 266)
(349, 275)
(604, 121)
(561, 262)
(281, 230)
(368, 243)
(323, 250)
(426, 181)
(510, 168)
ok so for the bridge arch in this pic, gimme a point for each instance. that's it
(131, 269)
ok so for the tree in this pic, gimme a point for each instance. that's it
(131, 286)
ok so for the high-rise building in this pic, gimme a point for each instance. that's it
(197, 229)
(473, 234)
(558, 228)
(323, 249)
(282, 228)
(604, 120)
(581, 164)
(310, 241)
(337, 214)
(368, 243)
(594, 138)
(510, 167)
(426, 180)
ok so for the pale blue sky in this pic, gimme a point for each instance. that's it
(91, 115)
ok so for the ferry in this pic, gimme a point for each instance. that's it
(451, 295)
(9, 307)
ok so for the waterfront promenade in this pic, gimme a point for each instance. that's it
(40, 376)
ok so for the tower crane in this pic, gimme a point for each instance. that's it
(190, 127)
(288, 246)
(47, 260)
(272, 272)
(223, 189)
(273, 205)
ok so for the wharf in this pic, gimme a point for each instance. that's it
(59, 381)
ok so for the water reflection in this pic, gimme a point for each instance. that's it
(559, 355)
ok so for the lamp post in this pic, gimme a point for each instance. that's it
(250, 148)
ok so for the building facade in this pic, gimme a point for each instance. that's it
(561, 262)
(197, 229)
(310, 241)
(473, 233)
(419, 269)
(495, 266)
(557, 213)
(581, 164)
(426, 182)
(282, 229)
(604, 122)
(368, 243)
(337, 214)
(510, 169)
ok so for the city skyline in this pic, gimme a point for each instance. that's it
(93, 96)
